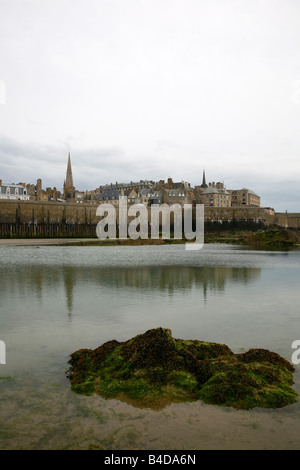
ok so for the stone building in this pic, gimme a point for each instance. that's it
(244, 197)
(155, 198)
(212, 194)
(177, 196)
(53, 194)
(145, 195)
(216, 195)
(37, 193)
(80, 196)
(13, 191)
(136, 185)
(110, 196)
(132, 196)
(177, 185)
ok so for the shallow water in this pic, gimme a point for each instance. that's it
(54, 300)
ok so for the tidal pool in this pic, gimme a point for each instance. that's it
(55, 300)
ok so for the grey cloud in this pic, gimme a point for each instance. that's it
(150, 89)
(93, 166)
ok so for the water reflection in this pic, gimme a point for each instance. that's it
(49, 280)
(69, 279)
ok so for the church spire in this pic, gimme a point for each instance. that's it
(204, 185)
(69, 175)
(69, 189)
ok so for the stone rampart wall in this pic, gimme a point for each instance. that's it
(33, 212)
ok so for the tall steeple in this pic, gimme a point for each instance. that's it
(69, 176)
(203, 185)
(69, 189)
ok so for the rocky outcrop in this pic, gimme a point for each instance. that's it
(154, 369)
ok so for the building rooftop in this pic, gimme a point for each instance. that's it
(108, 195)
(250, 191)
(12, 185)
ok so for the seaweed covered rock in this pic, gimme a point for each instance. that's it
(154, 369)
(274, 237)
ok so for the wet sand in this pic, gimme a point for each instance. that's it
(48, 416)
(44, 241)
(83, 241)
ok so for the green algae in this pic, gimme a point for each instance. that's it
(274, 237)
(8, 378)
(155, 369)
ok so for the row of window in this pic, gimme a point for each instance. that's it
(11, 190)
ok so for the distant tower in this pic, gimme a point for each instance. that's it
(69, 189)
(203, 185)
(39, 190)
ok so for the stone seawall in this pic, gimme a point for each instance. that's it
(285, 220)
(47, 212)
(31, 218)
(80, 213)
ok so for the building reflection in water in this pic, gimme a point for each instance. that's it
(166, 279)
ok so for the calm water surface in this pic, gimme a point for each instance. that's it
(54, 300)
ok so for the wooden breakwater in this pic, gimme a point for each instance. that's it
(45, 230)
(73, 230)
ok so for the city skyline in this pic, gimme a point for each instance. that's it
(54, 182)
(147, 90)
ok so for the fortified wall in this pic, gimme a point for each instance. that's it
(286, 220)
(83, 213)
(31, 212)
(32, 218)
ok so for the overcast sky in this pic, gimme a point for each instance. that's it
(151, 89)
